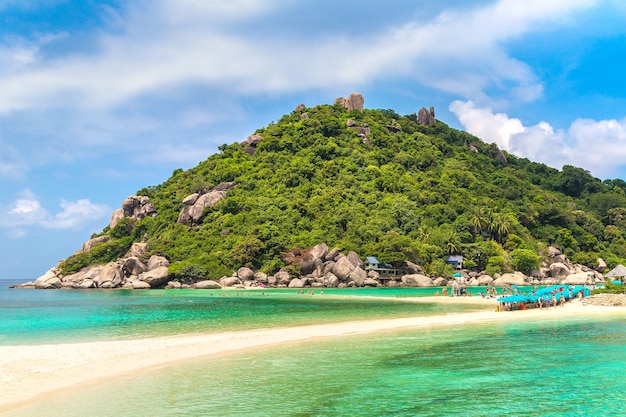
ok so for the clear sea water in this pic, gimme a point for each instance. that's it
(549, 367)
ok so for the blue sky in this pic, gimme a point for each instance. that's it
(99, 99)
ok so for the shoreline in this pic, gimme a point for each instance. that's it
(33, 373)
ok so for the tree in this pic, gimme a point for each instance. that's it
(525, 260)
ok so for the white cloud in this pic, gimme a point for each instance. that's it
(168, 43)
(27, 211)
(597, 146)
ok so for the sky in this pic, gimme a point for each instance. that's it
(100, 98)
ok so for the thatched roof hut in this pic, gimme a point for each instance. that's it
(618, 272)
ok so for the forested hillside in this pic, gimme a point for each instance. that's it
(377, 183)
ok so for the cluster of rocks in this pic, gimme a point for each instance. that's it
(127, 272)
(194, 204)
(135, 207)
(606, 300)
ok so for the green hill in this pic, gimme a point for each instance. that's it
(377, 183)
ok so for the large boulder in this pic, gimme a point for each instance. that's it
(138, 248)
(140, 285)
(296, 283)
(343, 268)
(485, 280)
(245, 274)
(230, 281)
(355, 259)
(207, 285)
(509, 279)
(88, 245)
(282, 277)
(580, 278)
(440, 282)
(358, 275)
(157, 277)
(41, 282)
(110, 276)
(417, 280)
(156, 261)
(133, 266)
(559, 270)
(330, 280)
(601, 265)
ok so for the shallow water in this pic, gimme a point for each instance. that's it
(541, 368)
(548, 367)
(54, 316)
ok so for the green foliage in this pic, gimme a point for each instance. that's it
(525, 260)
(496, 265)
(187, 273)
(412, 192)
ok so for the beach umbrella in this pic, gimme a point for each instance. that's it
(457, 275)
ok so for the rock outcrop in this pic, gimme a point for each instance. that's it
(194, 204)
(426, 117)
(135, 207)
(354, 101)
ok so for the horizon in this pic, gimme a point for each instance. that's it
(100, 99)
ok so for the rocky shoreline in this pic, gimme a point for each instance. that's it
(320, 267)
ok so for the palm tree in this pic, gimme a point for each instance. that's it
(501, 225)
(479, 218)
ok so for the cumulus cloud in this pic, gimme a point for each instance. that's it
(181, 55)
(172, 42)
(597, 146)
(27, 211)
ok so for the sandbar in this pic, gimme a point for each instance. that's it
(31, 373)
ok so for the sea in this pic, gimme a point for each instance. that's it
(542, 367)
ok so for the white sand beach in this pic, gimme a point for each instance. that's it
(30, 373)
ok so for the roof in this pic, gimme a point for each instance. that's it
(371, 260)
(618, 271)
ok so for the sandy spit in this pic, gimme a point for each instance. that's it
(30, 373)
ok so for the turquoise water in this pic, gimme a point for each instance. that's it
(549, 367)
(53, 316)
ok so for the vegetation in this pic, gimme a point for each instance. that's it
(416, 194)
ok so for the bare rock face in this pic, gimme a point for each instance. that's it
(192, 212)
(600, 265)
(485, 280)
(136, 207)
(426, 117)
(354, 102)
(110, 276)
(355, 259)
(88, 245)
